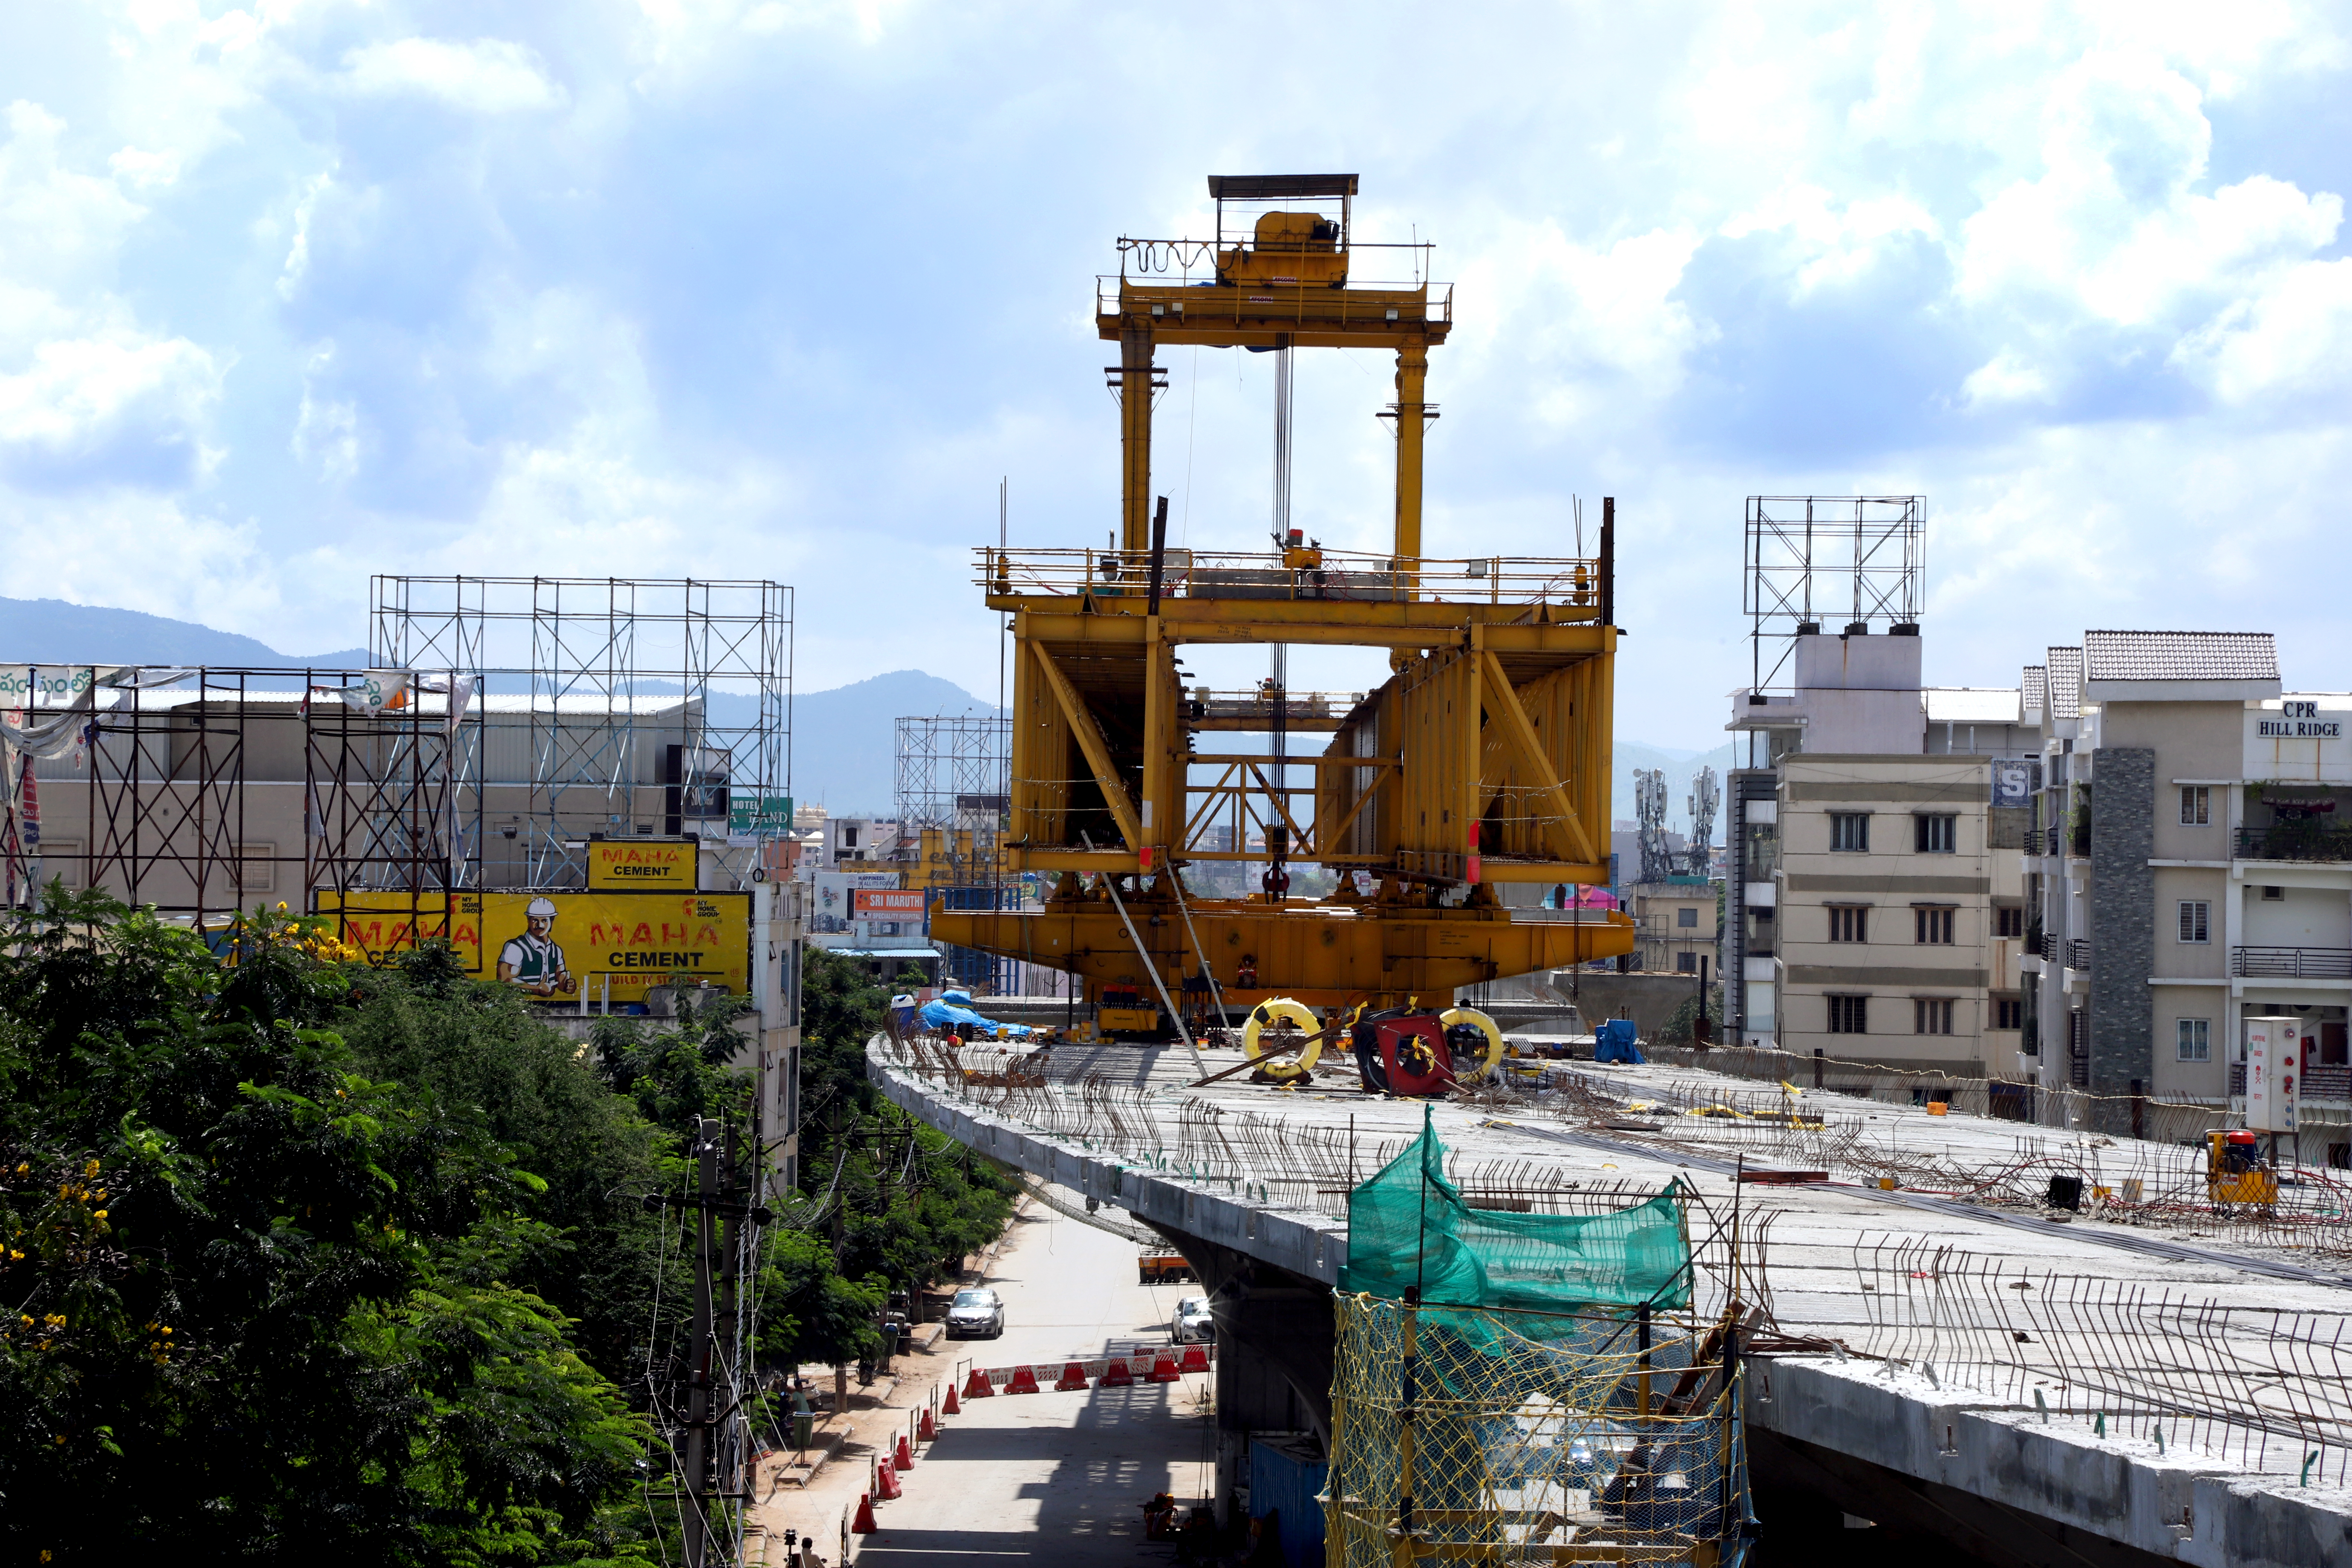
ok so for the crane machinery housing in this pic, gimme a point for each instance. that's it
(1483, 759)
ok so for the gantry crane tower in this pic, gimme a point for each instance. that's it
(1483, 759)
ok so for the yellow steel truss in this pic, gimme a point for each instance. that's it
(1483, 759)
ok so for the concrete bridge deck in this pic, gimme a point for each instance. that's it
(2131, 1383)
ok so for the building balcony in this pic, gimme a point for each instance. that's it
(2291, 962)
(2319, 1083)
(2298, 841)
(2078, 953)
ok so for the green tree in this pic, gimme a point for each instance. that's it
(259, 1302)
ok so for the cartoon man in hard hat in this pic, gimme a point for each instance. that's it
(533, 960)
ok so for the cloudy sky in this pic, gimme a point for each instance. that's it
(296, 293)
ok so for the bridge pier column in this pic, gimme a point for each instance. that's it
(1275, 1350)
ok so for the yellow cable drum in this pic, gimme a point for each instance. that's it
(1284, 1070)
(1453, 1015)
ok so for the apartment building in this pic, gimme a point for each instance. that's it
(1875, 898)
(2190, 867)
(1675, 924)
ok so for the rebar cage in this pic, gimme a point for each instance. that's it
(1477, 1434)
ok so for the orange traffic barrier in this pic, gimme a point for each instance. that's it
(887, 1481)
(864, 1524)
(906, 1453)
(931, 1429)
(1024, 1380)
(951, 1408)
(1195, 1359)
(1163, 1370)
(978, 1386)
(1117, 1374)
(1073, 1376)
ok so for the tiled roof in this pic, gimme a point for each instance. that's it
(2035, 688)
(2180, 656)
(2066, 676)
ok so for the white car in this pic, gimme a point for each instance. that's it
(977, 1313)
(1192, 1322)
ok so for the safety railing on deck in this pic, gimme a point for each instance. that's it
(1318, 574)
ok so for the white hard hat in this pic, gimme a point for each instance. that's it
(541, 910)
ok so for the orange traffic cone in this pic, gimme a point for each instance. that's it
(1024, 1380)
(864, 1524)
(906, 1453)
(1117, 1374)
(886, 1480)
(978, 1386)
(951, 1408)
(1195, 1359)
(929, 1429)
(1073, 1376)
(1163, 1370)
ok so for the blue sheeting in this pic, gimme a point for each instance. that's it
(1285, 1481)
(954, 1009)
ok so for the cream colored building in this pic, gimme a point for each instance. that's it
(1900, 912)
(1876, 897)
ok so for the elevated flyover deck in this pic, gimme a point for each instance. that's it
(2127, 1382)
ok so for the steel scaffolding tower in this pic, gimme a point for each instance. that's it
(602, 707)
(1807, 557)
(202, 791)
(951, 773)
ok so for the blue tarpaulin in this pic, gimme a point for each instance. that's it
(1613, 1042)
(954, 1007)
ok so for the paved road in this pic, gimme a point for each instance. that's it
(1054, 1479)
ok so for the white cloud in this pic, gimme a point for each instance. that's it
(2296, 338)
(80, 398)
(488, 76)
(2004, 378)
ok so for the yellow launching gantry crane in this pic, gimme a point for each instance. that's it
(1483, 759)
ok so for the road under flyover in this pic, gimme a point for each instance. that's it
(2023, 1387)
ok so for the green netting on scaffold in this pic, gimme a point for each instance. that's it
(1409, 1228)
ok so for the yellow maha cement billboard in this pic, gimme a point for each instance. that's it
(641, 865)
(555, 946)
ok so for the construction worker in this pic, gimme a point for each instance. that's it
(534, 960)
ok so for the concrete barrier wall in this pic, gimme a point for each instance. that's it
(2181, 1507)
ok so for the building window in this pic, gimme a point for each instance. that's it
(1931, 1014)
(1849, 1015)
(1686, 962)
(1686, 918)
(1933, 923)
(2192, 1039)
(1850, 830)
(848, 837)
(2274, 894)
(2196, 810)
(2008, 919)
(1849, 922)
(1935, 835)
(2196, 920)
(2009, 1013)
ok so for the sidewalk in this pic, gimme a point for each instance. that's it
(819, 1502)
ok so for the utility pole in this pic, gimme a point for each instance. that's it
(698, 1356)
(728, 1407)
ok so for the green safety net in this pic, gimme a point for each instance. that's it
(1409, 1226)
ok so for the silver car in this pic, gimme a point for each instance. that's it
(1192, 1324)
(977, 1313)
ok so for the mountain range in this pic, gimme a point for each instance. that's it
(844, 740)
